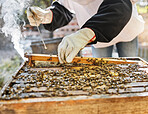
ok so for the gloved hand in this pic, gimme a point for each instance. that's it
(72, 44)
(36, 16)
(134, 1)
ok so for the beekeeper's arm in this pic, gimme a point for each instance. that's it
(107, 23)
(54, 17)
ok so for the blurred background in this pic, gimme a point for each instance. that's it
(30, 39)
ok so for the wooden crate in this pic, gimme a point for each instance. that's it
(130, 101)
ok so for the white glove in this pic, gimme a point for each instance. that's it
(134, 1)
(72, 44)
(36, 16)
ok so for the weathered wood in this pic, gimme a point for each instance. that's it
(128, 105)
(123, 102)
(54, 58)
(9, 81)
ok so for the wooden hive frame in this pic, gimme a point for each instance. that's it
(102, 104)
(54, 58)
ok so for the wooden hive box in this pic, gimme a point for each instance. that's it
(132, 99)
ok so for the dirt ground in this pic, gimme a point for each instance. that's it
(7, 54)
(9, 63)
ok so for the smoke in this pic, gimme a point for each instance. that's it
(11, 12)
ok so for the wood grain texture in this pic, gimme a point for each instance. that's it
(54, 58)
(112, 105)
(128, 105)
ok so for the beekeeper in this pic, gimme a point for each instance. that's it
(103, 23)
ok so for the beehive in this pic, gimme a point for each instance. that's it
(88, 85)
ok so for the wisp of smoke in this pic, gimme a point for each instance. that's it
(11, 11)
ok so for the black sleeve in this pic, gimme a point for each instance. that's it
(110, 19)
(61, 17)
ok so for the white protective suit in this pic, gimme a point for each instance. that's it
(85, 9)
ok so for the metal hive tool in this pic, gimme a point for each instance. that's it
(38, 28)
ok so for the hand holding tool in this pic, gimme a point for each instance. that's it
(38, 28)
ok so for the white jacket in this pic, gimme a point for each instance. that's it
(85, 9)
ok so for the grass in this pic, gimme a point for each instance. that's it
(8, 68)
(1, 82)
